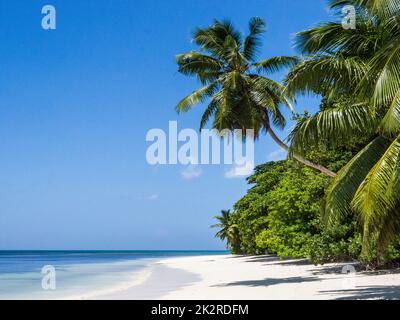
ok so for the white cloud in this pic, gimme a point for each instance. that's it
(277, 155)
(153, 197)
(191, 171)
(240, 171)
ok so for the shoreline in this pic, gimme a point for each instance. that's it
(217, 277)
(137, 278)
(155, 281)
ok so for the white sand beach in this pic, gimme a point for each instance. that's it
(261, 278)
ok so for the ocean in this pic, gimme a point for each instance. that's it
(71, 274)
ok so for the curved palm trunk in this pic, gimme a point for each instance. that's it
(300, 158)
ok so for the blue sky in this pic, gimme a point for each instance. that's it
(76, 104)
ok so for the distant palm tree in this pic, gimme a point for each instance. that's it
(228, 229)
(240, 97)
(359, 71)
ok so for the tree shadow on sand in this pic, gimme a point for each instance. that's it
(272, 259)
(370, 292)
(335, 269)
(262, 259)
(269, 282)
(293, 262)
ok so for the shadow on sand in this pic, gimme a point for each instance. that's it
(262, 259)
(377, 292)
(268, 282)
(371, 292)
(271, 259)
(334, 269)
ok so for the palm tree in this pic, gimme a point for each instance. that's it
(228, 229)
(358, 70)
(240, 97)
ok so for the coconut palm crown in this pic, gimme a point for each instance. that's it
(239, 96)
(228, 229)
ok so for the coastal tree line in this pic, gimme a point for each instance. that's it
(337, 195)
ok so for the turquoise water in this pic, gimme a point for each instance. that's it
(77, 273)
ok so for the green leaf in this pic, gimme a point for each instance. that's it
(333, 126)
(340, 193)
(196, 97)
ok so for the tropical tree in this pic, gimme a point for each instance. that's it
(358, 73)
(239, 96)
(228, 230)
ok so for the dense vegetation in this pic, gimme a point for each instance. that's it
(281, 213)
(358, 70)
(338, 195)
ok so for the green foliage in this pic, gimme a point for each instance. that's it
(282, 212)
(356, 131)
(362, 65)
(292, 205)
(228, 230)
(340, 242)
(251, 212)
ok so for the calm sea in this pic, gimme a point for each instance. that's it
(77, 273)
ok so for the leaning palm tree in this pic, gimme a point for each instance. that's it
(358, 70)
(239, 96)
(228, 229)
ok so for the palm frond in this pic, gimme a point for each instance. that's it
(206, 68)
(386, 63)
(263, 85)
(389, 229)
(378, 193)
(208, 113)
(253, 41)
(212, 39)
(267, 94)
(323, 73)
(331, 37)
(390, 124)
(198, 96)
(340, 193)
(276, 64)
(381, 8)
(333, 126)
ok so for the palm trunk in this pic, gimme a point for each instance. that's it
(300, 158)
